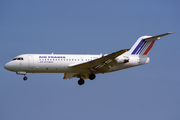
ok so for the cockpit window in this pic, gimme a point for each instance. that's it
(20, 58)
(15, 59)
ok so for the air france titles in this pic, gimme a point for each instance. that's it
(49, 59)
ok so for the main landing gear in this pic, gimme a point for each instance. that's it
(91, 77)
(81, 81)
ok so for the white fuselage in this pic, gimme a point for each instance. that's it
(59, 63)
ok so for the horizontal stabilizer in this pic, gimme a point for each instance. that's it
(153, 38)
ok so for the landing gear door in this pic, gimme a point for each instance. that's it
(30, 61)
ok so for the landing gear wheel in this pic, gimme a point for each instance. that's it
(92, 76)
(25, 78)
(81, 82)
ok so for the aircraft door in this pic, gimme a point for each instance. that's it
(30, 61)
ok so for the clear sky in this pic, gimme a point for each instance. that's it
(148, 92)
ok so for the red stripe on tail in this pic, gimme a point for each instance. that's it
(149, 48)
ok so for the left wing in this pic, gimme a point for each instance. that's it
(78, 75)
(69, 75)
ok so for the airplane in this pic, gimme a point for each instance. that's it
(84, 66)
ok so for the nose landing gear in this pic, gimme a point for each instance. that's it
(22, 73)
(25, 78)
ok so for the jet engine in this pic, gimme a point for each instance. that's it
(122, 59)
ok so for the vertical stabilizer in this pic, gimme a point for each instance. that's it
(144, 44)
(142, 47)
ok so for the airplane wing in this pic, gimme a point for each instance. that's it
(101, 62)
(69, 75)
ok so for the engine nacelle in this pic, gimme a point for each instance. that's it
(122, 59)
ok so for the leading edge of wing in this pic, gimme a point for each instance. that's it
(157, 37)
(98, 61)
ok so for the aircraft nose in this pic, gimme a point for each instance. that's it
(7, 66)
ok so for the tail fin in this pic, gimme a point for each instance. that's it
(142, 47)
(144, 44)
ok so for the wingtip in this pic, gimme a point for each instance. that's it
(171, 32)
(166, 34)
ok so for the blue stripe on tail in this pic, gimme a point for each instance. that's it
(141, 47)
(136, 49)
(145, 47)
